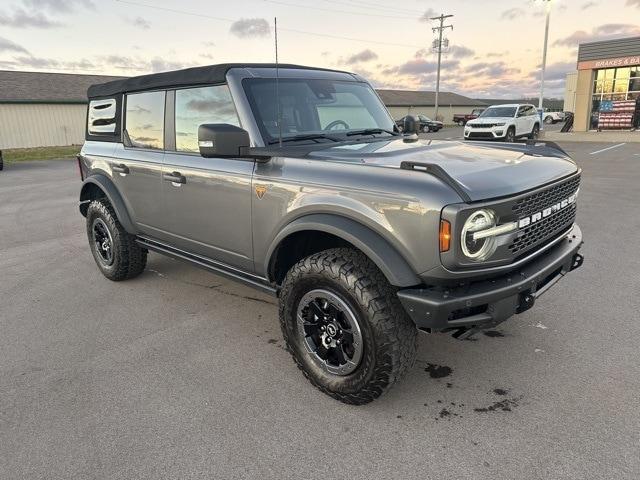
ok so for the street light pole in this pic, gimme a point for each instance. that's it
(439, 29)
(544, 51)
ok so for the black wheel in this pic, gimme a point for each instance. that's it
(535, 132)
(115, 251)
(548, 120)
(345, 327)
(426, 129)
(1, 163)
(461, 123)
(510, 136)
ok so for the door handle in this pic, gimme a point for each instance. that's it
(174, 177)
(122, 168)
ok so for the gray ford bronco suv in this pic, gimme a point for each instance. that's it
(295, 181)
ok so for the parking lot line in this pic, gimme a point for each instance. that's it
(608, 148)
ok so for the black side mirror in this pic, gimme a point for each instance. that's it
(411, 124)
(222, 140)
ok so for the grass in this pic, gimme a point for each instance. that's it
(39, 153)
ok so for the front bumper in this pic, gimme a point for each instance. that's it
(486, 303)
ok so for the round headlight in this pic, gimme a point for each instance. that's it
(482, 248)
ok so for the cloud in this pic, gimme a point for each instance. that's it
(428, 15)
(512, 13)
(603, 32)
(7, 45)
(554, 71)
(250, 28)
(360, 57)
(58, 6)
(460, 51)
(20, 18)
(588, 5)
(139, 22)
(420, 66)
(491, 69)
(37, 62)
(633, 3)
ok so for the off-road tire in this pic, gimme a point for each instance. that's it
(129, 258)
(389, 335)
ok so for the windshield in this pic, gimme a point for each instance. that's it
(499, 112)
(316, 109)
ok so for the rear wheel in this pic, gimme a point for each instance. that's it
(426, 129)
(345, 327)
(510, 135)
(548, 119)
(535, 132)
(115, 251)
(461, 123)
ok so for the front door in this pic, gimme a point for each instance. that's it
(206, 201)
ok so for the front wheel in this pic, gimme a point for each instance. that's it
(426, 129)
(345, 327)
(510, 136)
(548, 120)
(461, 123)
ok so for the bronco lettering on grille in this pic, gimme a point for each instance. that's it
(556, 207)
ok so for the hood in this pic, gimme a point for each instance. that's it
(481, 171)
(490, 120)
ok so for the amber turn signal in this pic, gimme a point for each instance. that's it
(445, 236)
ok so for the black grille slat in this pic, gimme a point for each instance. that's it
(543, 230)
(545, 198)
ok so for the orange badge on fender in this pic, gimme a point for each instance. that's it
(261, 190)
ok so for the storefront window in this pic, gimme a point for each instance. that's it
(613, 85)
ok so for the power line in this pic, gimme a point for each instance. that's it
(359, 4)
(292, 30)
(307, 7)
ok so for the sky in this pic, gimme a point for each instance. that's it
(495, 46)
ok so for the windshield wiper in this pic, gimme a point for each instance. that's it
(312, 136)
(371, 131)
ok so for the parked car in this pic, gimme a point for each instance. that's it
(550, 117)
(462, 118)
(426, 124)
(504, 122)
(364, 235)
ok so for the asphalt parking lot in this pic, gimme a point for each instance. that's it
(182, 374)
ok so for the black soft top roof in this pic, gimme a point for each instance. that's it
(209, 74)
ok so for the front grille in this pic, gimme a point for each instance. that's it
(544, 199)
(480, 135)
(482, 125)
(543, 230)
(548, 228)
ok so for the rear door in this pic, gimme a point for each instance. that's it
(206, 201)
(136, 164)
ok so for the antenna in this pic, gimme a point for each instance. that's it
(279, 112)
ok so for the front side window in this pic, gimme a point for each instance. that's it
(315, 107)
(144, 120)
(197, 106)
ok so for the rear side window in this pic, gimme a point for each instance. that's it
(144, 120)
(102, 117)
(197, 106)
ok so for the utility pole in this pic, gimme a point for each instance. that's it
(439, 29)
(544, 52)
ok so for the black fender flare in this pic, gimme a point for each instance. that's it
(113, 195)
(372, 244)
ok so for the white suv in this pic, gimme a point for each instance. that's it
(504, 122)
